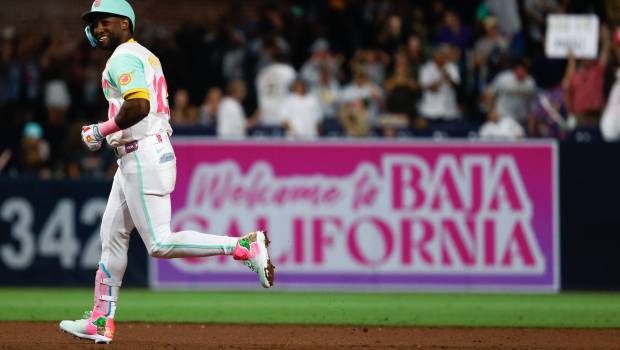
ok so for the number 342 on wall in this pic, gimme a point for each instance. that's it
(57, 237)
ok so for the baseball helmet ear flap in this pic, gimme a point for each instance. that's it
(89, 36)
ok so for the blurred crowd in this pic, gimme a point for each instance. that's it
(331, 68)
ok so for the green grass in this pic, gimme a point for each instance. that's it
(529, 310)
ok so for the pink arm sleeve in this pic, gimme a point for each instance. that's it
(108, 127)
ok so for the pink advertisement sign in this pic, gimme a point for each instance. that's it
(372, 215)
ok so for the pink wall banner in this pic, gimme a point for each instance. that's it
(370, 215)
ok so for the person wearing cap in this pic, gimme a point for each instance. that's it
(138, 129)
(34, 156)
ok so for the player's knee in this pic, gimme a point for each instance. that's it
(157, 251)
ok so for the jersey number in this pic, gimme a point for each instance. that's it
(161, 89)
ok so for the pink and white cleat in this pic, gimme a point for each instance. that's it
(252, 250)
(93, 326)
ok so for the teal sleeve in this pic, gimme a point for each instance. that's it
(127, 74)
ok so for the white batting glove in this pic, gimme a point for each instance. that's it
(91, 137)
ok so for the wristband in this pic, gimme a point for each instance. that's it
(108, 127)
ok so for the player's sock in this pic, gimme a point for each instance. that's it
(244, 249)
(106, 292)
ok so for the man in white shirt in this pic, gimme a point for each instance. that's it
(439, 79)
(301, 112)
(500, 127)
(231, 119)
(513, 90)
(272, 86)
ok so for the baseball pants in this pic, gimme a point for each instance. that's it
(140, 198)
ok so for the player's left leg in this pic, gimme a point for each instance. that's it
(153, 224)
(148, 199)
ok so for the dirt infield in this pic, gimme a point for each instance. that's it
(46, 335)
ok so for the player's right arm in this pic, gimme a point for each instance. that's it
(126, 72)
(132, 111)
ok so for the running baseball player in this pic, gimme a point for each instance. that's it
(138, 129)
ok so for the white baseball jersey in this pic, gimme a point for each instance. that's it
(133, 70)
(272, 86)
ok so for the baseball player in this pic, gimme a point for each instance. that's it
(138, 129)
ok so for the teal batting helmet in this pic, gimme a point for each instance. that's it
(113, 7)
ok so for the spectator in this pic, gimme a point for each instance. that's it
(439, 79)
(437, 8)
(328, 93)
(28, 56)
(415, 53)
(610, 121)
(489, 54)
(513, 89)
(269, 50)
(231, 119)
(392, 35)
(373, 62)
(183, 113)
(301, 112)
(401, 88)
(320, 59)
(57, 102)
(35, 152)
(586, 97)
(272, 86)
(509, 21)
(549, 115)
(500, 127)
(235, 56)
(418, 25)
(57, 98)
(46, 71)
(10, 70)
(536, 12)
(361, 88)
(207, 113)
(454, 33)
(354, 118)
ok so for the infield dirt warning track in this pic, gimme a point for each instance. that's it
(46, 335)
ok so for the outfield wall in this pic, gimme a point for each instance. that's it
(372, 215)
(49, 233)
(348, 215)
